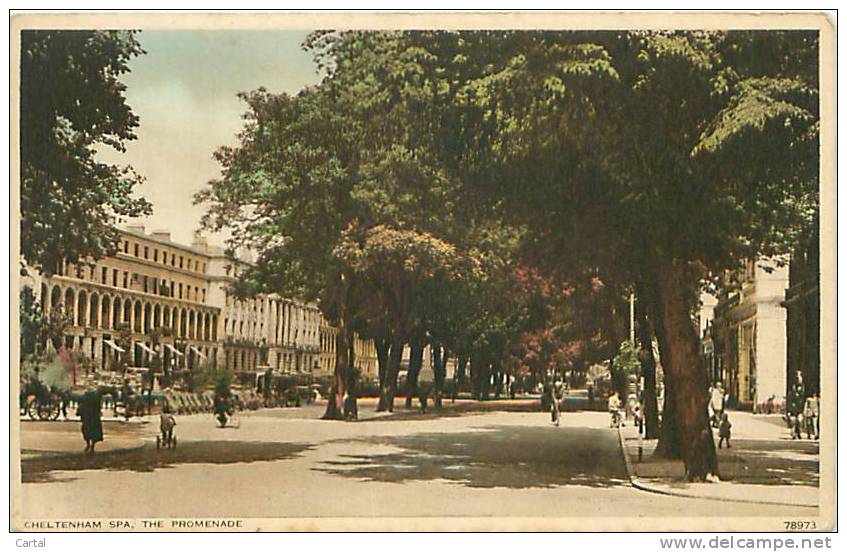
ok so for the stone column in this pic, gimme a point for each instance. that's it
(285, 323)
(86, 311)
(48, 298)
(75, 307)
(98, 349)
(278, 322)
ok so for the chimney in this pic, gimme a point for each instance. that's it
(161, 235)
(137, 228)
(200, 243)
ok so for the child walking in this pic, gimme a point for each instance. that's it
(724, 431)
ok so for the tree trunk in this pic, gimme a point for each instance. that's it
(648, 369)
(351, 408)
(389, 388)
(383, 346)
(689, 378)
(439, 368)
(335, 401)
(415, 363)
(669, 445)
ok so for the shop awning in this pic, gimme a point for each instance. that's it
(145, 348)
(113, 346)
(173, 349)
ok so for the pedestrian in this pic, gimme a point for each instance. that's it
(351, 410)
(811, 414)
(724, 431)
(638, 418)
(796, 406)
(167, 422)
(716, 401)
(423, 395)
(555, 414)
(89, 415)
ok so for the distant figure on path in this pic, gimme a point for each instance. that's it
(716, 401)
(811, 416)
(89, 415)
(423, 396)
(555, 415)
(796, 405)
(724, 431)
(166, 425)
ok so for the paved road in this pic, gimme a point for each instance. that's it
(283, 464)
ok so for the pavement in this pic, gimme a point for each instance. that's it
(59, 438)
(763, 466)
(287, 463)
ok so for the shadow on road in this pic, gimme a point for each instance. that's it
(148, 458)
(496, 456)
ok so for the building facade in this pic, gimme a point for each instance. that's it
(744, 335)
(175, 303)
(802, 303)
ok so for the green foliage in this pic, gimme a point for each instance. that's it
(32, 324)
(72, 102)
(627, 359)
(221, 380)
(47, 369)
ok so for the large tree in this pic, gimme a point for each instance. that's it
(628, 147)
(72, 103)
(399, 261)
(287, 193)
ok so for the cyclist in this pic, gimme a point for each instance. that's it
(615, 409)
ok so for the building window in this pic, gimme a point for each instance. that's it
(104, 273)
(126, 279)
(135, 248)
(155, 255)
(145, 284)
(146, 251)
(126, 246)
(180, 291)
(180, 262)
(204, 295)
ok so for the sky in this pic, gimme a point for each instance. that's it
(184, 92)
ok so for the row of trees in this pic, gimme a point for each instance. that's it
(409, 189)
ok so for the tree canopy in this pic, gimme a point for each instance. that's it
(72, 103)
(608, 161)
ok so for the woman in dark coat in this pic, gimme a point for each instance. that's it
(89, 415)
